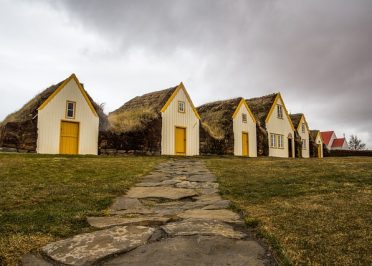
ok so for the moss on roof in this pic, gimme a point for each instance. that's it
(313, 134)
(216, 117)
(296, 118)
(139, 112)
(261, 106)
(30, 109)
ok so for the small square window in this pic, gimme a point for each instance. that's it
(280, 111)
(70, 109)
(181, 107)
(244, 118)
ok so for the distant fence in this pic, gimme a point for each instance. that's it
(344, 153)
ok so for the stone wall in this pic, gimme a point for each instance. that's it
(21, 136)
(212, 146)
(146, 141)
(262, 141)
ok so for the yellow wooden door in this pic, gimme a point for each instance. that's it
(180, 140)
(245, 146)
(69, 140)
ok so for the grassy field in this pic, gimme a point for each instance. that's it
(312, 211)
(44, 198)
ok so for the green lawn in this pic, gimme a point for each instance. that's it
(44, 198)
(312, 211)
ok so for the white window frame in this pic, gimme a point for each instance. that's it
(272, 140)
(280, 141)
(181, 107)
(303, 127)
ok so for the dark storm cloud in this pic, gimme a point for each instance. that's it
(316, 52)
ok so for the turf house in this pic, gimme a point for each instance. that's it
(162, 122)
(316, 144)
(63, 119)
(302, 135)
(228, 127)
(275, 131)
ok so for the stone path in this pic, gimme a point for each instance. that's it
(174, 216)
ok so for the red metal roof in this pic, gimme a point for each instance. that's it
(326, 136)
(338, 142)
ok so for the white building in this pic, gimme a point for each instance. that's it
(231, 124)
(318, 141)
(161, 122)
(273, 118)
(67, 122)
(303, 131)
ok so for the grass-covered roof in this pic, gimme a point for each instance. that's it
(139, 112)
(30, 109)
(314, 134)
(261, 106)
(216, 117)
(296, 119)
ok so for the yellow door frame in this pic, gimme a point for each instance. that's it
(78, 135)
(175, 140)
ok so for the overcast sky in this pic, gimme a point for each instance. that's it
(317, 53)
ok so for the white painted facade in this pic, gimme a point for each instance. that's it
(318, 140)
(249, 127)
(171, 119)
(280, 126)
(305, 135)
(50, 117)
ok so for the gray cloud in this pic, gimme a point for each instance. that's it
(317, 53)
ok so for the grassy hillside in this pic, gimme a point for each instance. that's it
(43, 198)
(312, 211)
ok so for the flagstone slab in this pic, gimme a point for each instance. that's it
(124, 203)
(110, 221)
(32, 260)
(86, 249)
(220, 215)
(194, 250)
(202, 178)
(157, 184)
(201, 227)
(222, 204)
(161, 192)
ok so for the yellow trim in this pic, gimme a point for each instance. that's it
(320, 136)
(242, 101)
(299, 124)
(179, 87)
(66, 116)
(278, 96)
(73, 76)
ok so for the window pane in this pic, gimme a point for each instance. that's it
(181, 107)
(70, 109)
(244, 118)
(70, 113)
